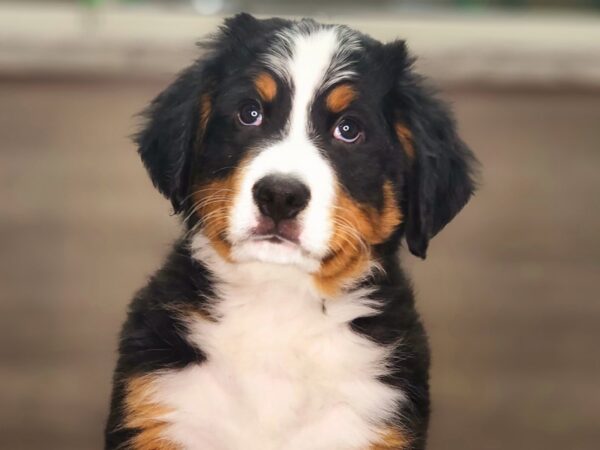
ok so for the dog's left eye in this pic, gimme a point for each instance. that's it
(347, 130)
(250, 114)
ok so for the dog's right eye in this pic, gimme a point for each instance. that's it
(250, 114)
(348, 131)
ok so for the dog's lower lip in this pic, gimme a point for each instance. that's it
(274, 239)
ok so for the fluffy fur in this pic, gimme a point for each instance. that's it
(283, 320)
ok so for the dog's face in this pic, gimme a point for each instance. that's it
(305, 144)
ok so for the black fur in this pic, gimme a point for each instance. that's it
(442, 181)
(431, 190)
(152, 337)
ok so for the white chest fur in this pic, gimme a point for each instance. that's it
(283, 371)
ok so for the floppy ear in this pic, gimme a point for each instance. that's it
(166, 141)
(175, 118)
(440, 175)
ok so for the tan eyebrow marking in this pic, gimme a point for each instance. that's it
(340, 97)
(406, 139)
(266, 86)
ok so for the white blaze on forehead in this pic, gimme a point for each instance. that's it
(317, 46)
(312, 56)
(310, 59)
(319, 60)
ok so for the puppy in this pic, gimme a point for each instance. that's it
(299, 156)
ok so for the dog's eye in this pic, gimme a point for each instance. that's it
(347, 130)
(250, 114)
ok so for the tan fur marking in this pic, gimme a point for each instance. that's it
(213, 202)
(340, 98)
(266, 86)
(145, 416)
(186, 312)
(356, 228)
(392, 439)
(406, 139)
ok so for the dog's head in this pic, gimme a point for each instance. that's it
(306, 144)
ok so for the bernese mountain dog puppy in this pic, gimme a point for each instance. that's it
(299, 156)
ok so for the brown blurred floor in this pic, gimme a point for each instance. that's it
(508, 293)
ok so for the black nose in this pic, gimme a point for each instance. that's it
(280, 197)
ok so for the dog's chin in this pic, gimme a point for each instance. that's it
(276, 252)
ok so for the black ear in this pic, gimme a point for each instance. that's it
(441, 180)
(173, 119)
(440, 177)
(244, 31)
(167, 139)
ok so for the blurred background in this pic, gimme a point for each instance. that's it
(509, 292)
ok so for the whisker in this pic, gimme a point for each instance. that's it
(345, 237)
(352, 233)
(198, 206)
(217, 213)
(206, 189)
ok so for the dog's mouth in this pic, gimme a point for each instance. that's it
(276, 243)
(274, 239)
(285, 231)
